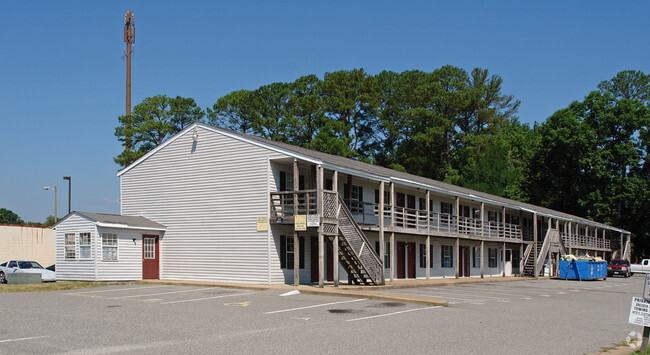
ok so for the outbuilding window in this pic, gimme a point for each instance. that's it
(69, 245)
(109, 246)
(84, 246)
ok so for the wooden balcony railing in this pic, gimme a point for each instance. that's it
(583, 241)
(367, 214)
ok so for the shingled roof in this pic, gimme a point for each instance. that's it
(380, 173)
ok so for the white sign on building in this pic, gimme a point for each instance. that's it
(640, 312)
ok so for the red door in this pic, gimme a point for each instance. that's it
(464, 261)
(150, 257)
(410, 250)
(401, 272)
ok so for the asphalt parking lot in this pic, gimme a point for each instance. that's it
(530, 316)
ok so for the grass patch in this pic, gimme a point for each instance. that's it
(52, 286)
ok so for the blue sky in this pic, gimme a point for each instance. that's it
(62, 77)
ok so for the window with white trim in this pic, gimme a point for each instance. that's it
(109, 246)
(447, 256)
(476, 261)
(69, 245)
(84, 246)
(492, 260)
(149, 248)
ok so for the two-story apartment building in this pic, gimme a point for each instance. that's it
(214, 204)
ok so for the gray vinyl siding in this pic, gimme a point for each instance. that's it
(208, 195)
(128, 266)
(75, 269)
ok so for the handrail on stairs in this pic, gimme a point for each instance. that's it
(365, 241)
(526, 255)
(543, 251)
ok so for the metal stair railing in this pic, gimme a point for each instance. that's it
(362, 254)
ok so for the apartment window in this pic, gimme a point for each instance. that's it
(386, 197)
(422, 204)
(354, 194)
(84, 245)
(447, 256)
(109, 246)
(386, 253)
(287, 252)
(476, 261)
(445, 207)
(423, 255)
(493, 216)
(492, 257)
(286, 182)
(476, 213)
(69, 246)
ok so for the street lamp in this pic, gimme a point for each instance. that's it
(69, 178)
(53, 188)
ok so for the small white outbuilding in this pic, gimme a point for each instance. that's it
(107, 247)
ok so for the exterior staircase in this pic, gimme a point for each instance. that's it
(553, 243)
(357, 257)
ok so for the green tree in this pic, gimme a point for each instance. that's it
(152, 121)
(9, 217)
(234, 112)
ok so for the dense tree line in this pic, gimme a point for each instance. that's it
(589, 159)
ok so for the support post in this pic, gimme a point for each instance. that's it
(535, 246)
(482, 258)
(457, 252)
(335, 256)
(321, 241)
(521, 259)
(503, 262)
(428, 251)
(503, 221)
(392, 257)
(482, 220)
(457, 220)
(382, 244)
(296, 239)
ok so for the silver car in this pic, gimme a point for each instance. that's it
(25, 266)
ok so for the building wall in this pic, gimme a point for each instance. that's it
(128, 266)
(27, 243)
(208, 194)
(75, 269)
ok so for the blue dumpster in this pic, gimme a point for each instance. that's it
(583, 270)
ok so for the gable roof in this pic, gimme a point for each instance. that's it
(376, 172)
(117, 221)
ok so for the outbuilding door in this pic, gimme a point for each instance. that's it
(150, 257)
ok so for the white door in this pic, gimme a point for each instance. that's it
(508, 263)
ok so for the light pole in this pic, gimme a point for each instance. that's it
(69, 178)
(53, 188)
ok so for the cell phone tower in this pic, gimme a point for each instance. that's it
(129, 39)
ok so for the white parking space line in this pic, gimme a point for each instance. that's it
(119, 289)
(391, 314)
(209, 298)
(316, 305)
(161, 293)
(443, 294)
(448, 298)
(20, 339)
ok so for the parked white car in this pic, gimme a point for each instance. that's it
(25, 266)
